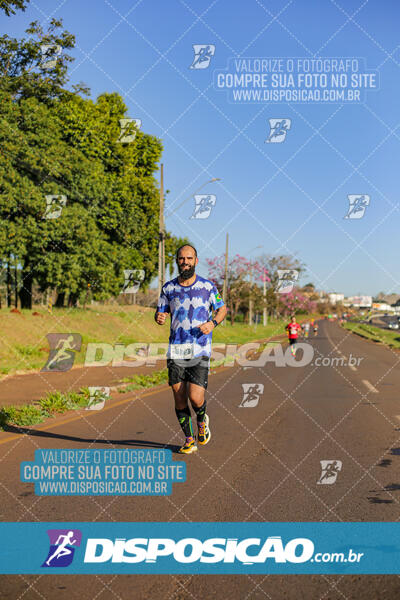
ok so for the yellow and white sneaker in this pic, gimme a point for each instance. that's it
(204, 433)
(189, 447)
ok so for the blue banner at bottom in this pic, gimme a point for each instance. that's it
(193, 548)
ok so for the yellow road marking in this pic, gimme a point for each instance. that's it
(77, 417)
(94, 412)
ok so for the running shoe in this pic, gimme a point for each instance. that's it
(204, 433)
(189, 447)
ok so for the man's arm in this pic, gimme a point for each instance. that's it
(219, 316)
(162, 308)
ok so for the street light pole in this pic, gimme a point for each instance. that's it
(265, 317)
(161, 235)
(191, 196)
(251, 285)
(251, 297)
(161, 244)
(224, 289)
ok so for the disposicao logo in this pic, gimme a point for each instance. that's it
(62, 547)
(190, 550)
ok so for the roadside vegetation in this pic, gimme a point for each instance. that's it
(52, 404)
(56, 403)
(24, 346)
(376, 334)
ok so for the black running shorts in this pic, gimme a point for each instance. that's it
(184, 370)
(292, 340)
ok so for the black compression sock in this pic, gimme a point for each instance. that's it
(185, 420)
(200, 411)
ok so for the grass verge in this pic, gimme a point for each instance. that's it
(376, 334)
(24, 347)
(53, 403)
(140, 382)
(57, 402)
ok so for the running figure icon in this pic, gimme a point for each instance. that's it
(63, 348)
(62, 549)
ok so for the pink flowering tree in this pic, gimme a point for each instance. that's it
(238, 285)
(295, 302)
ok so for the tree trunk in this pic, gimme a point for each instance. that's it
(15, 286)
(8, 284)
(25, 293)
(60, 300)
(73, 299)
(237, 306)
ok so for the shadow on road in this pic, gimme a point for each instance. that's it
(391, 487)
(374, 500)
(385, 462)
(71, 438)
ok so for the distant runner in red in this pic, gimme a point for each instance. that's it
(293, 329)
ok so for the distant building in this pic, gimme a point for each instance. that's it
(322, 297)
(382, 307)
(335, 298)
(396, 307)
(359, 301)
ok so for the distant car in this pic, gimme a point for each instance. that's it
(393, 325)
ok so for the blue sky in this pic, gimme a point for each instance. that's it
(289, 197)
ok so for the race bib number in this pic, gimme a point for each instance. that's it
(182, 350)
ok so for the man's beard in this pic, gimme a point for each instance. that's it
(186, 273)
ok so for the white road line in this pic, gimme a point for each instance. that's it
(370, 386)
(352, 367)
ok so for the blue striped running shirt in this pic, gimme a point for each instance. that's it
(189, 306)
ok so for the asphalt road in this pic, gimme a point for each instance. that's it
(262, 464)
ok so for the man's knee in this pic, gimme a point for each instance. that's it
(196, 394)
(180, 394)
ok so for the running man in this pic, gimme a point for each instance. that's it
(306, 329)
(293, 329)
(62, 549)
(190, 299)
(315, 328)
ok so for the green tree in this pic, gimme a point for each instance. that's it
(24, 72)
(56, 142)
(9, 6)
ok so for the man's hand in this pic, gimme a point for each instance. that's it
(207, 328)
(160, 318)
